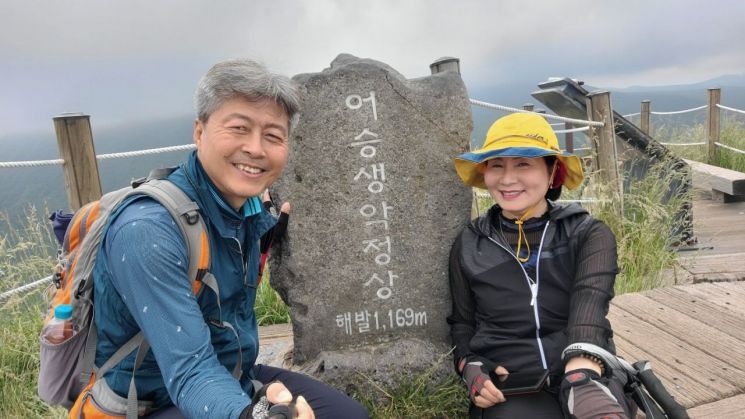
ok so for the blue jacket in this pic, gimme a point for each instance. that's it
(141, 282)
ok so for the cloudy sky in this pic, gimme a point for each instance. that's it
(132, 60)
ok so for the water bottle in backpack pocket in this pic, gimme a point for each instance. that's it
(60, 347)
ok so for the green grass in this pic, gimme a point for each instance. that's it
(269, 307)
(26, 254)
(644, 234)
(422, 396)
(732, 133)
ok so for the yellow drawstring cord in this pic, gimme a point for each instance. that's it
(520, 233)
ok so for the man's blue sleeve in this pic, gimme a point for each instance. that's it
(147, 259)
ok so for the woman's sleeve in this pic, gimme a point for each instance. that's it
(461, 320)
(596, 269)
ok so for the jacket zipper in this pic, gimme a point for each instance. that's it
(243, 264)
(533, 285)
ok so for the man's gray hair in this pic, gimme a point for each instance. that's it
(246, 79)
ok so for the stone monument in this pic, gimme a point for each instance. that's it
(376, 205)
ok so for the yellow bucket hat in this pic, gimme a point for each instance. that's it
(518, 135)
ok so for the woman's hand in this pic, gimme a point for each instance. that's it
(481, 389)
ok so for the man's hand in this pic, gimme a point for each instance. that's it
(277, 393)
(482, 391)
(274, 401)
(275, 234)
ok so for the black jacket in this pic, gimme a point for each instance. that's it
(494, 315)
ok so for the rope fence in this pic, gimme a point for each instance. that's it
(146, 152)
(736, 150)
(36, 163)
(28, 287)
(698, 108)
(684, 144)
(727, 108)
(488, 105)
(567, 131)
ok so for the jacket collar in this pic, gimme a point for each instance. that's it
(482, 225)
(224, 218)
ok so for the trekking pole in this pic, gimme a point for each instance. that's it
(672, 409)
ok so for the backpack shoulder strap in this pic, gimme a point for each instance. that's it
(185, 213)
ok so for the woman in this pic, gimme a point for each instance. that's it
(529, 278)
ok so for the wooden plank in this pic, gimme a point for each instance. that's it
(715, 268)
(714, 343)
(723, 378)
(687, 390)
(275, 331)
(720, 226)
(719, 296)
(734, 288)
(731, 407)
(706, 176)
(713, 315)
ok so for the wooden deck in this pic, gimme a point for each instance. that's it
(694, 337)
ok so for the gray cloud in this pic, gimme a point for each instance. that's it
(139, 59)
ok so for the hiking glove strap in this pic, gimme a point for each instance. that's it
(583, 396)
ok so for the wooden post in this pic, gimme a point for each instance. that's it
(569, 138)
(75, 143)
(645, 116)
(528, 107)
(445, 64)
(713, 123)
(604, 146)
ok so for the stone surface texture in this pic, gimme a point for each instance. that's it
(376, 204)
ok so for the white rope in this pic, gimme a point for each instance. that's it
(556, 117)
(145, 152)
(628, 115)
(679, 112)
(566, 131)
(34, 163)
(584, 200)
(558, 124)
(684, 144)
(580, 149)
(26, 287)
(730, 148)
(730, 109)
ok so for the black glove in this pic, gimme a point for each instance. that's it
(475, 371)
(584, 396)
(262, 408)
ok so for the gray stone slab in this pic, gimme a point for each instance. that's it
(376, 204)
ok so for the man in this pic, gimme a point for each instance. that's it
(245, 116)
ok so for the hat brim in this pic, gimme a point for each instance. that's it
(469, 166)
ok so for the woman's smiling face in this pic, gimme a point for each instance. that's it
(518, 184)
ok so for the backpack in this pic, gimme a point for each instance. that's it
(67, 373)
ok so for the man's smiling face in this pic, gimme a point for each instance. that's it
(243, 147)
